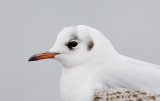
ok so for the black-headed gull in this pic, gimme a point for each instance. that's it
(90, 62)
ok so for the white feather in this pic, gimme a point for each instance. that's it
(86, 70)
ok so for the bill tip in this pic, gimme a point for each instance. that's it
(32, 58)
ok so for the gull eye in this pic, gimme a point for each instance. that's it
(72, 44)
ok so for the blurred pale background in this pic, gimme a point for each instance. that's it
(31, 26)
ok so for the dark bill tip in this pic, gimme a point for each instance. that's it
(32, 58)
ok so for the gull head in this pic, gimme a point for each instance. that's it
(77, 45)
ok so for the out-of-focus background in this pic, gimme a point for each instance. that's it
(31, 26)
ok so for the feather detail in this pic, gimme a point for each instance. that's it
(124, 95)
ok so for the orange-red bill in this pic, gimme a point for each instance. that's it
(43, 55)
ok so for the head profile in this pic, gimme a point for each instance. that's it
(76, 45)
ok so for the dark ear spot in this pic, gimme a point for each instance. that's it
(90, 45)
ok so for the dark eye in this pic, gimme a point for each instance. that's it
(72, 44)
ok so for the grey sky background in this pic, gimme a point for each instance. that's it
(31, 26)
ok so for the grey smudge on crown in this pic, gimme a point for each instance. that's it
(74, 37)
(90, 45)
